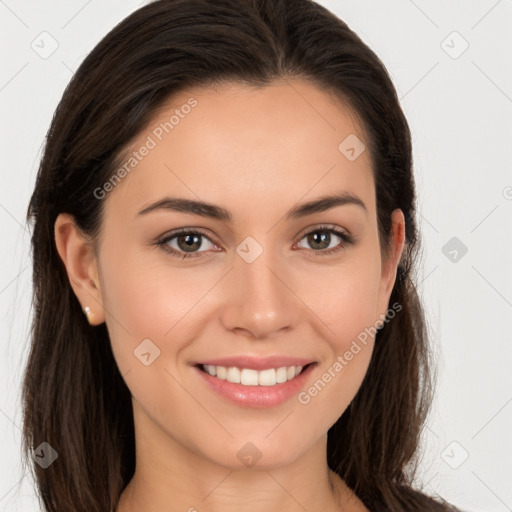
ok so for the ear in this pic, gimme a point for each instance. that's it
(390, 264)
(77, 253)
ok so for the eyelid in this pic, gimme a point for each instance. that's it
(323, 227)
(165, 238)
(347, 239)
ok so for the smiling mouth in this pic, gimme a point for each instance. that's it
(250, 377)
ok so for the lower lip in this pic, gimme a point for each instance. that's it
(256, 396)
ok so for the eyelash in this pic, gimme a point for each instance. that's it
(162, 242)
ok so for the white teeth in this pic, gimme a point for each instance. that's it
(249, 377)
(233, 375)
(222, 372)
(281, 375)
(267, 377)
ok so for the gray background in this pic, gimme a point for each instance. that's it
(458, 102)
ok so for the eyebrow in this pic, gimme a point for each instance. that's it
(218, 213)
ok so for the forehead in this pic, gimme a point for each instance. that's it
(255, 147)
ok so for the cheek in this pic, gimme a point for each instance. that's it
(347, 307)
(147, 298)
(148, 326)
(141, 302)
(141, 292)
(343, 298)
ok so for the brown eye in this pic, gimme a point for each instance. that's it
(189, 243)
(186, 243)
(319, 239)
(326, 240)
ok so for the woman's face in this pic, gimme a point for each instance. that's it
(265, 276)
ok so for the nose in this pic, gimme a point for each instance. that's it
(259, 300)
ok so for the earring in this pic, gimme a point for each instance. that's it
(88, 313)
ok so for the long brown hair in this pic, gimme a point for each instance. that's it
(74, 397)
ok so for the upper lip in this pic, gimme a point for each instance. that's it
(256, 363)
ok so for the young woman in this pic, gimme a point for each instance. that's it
(223, 241)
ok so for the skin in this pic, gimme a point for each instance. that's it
(257, 153)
